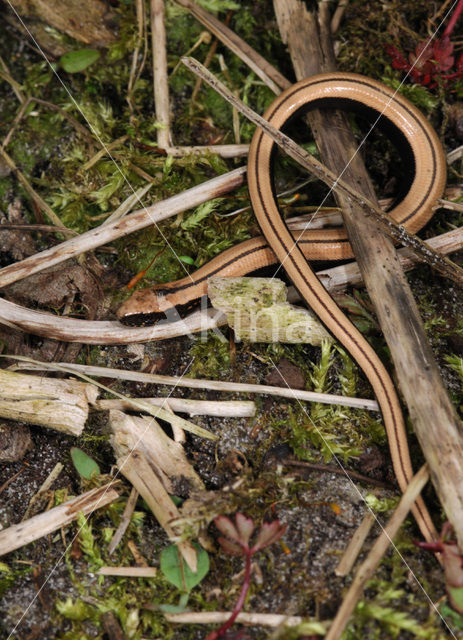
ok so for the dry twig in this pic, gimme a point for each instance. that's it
(197, 383)
(125, 521)
(41, 525)
(160, 83)
(227, 408)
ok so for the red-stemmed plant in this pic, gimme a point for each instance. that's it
(432, 59)
(452, 561)
(237, 543)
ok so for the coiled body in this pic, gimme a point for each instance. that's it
(427, 184)
(425, 161)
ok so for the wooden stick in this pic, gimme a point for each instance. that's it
(265, 71)
(337, 15)
(251, 618)
(129, 572)
(223, 150)
(160, 82)
(436, 423)
(103, 332)
(197, 383)
(341, 187)
(134, 222)
(228, 408)
(41, 525)
(14, 85)
(128, 204)
(125, 521)
(141, 38)
(367, 568)
(57, 404)
(30, 228)
(355, 545)
(104, 151)
(139, 462)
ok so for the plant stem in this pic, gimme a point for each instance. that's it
(239, 603)
(453, 20)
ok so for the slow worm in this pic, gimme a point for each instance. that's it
(428, 180)
(425, 162)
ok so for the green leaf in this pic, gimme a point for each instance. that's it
(187, 259)
(175, 569)
(84, 464)
(76, 61)
(456, 598)
(449, 613)
(219, 5)
(176, 608)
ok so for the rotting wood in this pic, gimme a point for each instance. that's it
(137, 445)
(225, 408)
(57, 404)
(41, 525)
(258, 311)
(436, 424)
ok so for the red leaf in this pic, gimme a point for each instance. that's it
(398, 60)
(230, 547)
(245, 527)
(226, 526)
(442, 48)
(423, 52)
(270, 532)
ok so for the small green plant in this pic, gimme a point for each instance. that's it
(456, 364)
(236, 543)
(88, 543)
(176, 570)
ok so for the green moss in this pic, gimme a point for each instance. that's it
(210, 357)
